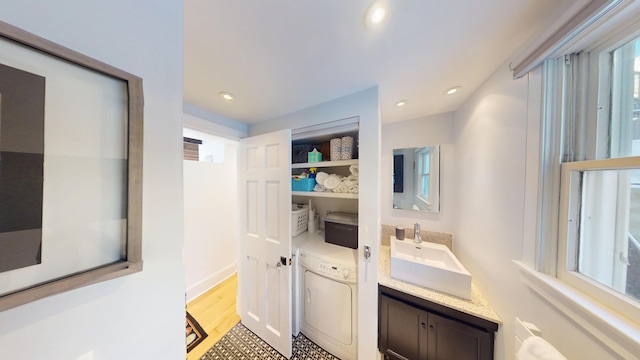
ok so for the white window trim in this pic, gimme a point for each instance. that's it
(615, 331)
(568, 233)
(612, 330)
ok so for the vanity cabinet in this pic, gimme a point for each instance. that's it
(413, 328)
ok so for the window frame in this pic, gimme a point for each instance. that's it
(423, 154)
(570, 193)
(559, 179)
(538, 267)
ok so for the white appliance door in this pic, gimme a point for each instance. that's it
(327, 307)
(264, 283)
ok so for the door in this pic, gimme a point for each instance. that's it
(450, 339)
(264, 280)
(402, 330)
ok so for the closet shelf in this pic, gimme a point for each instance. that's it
(323, 164)
(325, 194)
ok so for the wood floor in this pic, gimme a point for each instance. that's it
(215, 311)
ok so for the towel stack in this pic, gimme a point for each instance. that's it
(338, 183)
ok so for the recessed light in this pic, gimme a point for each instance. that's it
(227, 96)
(401, 103)
(376, 14)
(453, 90)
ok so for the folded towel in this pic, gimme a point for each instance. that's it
(536, 348)
(354, 170)
(319, 188)
(353, 189)
(332, 181)
(321, 177)
(341, 188)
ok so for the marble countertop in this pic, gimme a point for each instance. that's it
(477, 306)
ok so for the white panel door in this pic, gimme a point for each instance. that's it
(264, 282)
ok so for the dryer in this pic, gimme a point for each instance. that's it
(296, 243)
(328, 297)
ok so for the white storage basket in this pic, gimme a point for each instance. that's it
(299, 219)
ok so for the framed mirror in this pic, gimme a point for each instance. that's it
(416, 178)
(71, 132)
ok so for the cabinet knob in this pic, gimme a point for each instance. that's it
(431, 327)
(424, 326)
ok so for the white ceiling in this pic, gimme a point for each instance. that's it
(280, 56)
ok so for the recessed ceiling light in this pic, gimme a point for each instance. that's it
(401, 103)
(227, 96)
(376, 14)
(453, 90)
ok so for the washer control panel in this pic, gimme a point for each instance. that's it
(328, 269)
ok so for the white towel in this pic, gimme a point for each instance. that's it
(332, 181)
(319, 188)
(321, 176)
(341, 188)
(536, 348)
(354, 170)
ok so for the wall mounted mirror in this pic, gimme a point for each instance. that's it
(416, 178)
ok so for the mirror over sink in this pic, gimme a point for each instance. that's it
(416, 178)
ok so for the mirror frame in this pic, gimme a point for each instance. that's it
(400, 176)
(131, 261)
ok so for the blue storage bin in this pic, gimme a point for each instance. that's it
(306, 184)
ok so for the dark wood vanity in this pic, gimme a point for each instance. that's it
(413, 328)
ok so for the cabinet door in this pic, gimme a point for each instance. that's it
(452, 340)
(403, 330)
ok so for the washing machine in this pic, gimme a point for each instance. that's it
(328, 296)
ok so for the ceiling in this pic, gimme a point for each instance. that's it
(280, 56)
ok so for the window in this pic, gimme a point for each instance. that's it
(596, 145)
(423, 171)
(424, 159)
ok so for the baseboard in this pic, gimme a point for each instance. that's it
(209, 282)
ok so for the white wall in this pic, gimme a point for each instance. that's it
(491, 151)
(196, 118)
(430, 130)
(210, 213)
(140, 316)
(364, 104)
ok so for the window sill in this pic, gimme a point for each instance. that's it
(616, 332)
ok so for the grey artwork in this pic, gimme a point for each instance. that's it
(22, 97)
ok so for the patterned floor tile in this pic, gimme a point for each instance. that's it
(241, 344)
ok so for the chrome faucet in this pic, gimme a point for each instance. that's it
(416, 234)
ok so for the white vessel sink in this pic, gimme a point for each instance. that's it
(429, 265)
